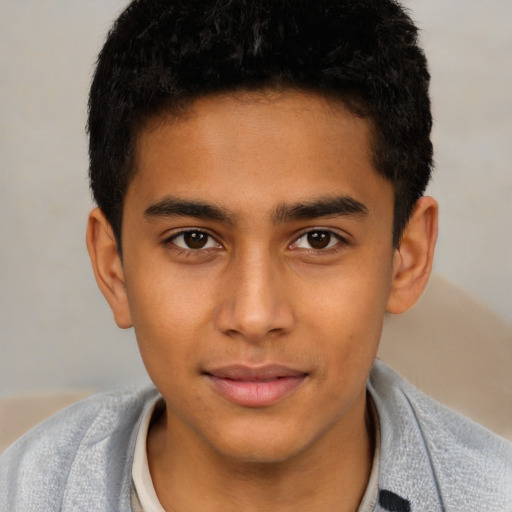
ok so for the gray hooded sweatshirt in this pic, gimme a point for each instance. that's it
(431, 458)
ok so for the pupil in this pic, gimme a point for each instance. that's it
(195, 239)
(319, 239)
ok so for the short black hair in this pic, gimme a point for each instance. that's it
(162, 54)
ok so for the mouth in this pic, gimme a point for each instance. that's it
(255, 386)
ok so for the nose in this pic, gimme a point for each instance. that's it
(255, 301)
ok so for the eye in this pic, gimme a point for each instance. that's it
(194, 240)
(317, 239)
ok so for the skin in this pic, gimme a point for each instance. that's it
(260, 291)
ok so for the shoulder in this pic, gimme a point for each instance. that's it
(71, 452)
(465, 465)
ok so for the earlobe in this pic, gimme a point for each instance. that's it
(107, 266)
(412, 261)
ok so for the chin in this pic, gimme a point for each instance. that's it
(261, 454)
(266, 446)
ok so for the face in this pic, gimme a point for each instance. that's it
(257, 246)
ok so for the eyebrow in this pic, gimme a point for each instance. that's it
(325, 207)
(173, 207)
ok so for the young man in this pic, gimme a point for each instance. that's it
(259, 169)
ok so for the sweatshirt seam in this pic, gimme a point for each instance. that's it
(427, 450)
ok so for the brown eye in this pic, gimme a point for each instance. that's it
(194, 240)
(319, 239)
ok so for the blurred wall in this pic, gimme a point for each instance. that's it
(57, 329)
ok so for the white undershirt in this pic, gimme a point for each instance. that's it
(372, 489)
(144, 498)
(145, 491)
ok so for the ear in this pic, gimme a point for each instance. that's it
(107, 266)
(412, 260)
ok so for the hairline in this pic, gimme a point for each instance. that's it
(176, 111)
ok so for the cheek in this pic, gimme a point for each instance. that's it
(170, 298)
(353, 301)
(347, 315)
(168, 318)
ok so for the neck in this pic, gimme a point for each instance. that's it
(331, 474)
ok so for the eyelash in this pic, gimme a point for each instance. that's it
(171, 241)
(340, 242)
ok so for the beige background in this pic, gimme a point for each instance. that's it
(56, 329)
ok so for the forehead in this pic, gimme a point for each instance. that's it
(259, 149)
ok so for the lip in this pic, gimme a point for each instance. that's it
(251, 386)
